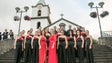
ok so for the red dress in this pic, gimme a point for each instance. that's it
(42, 51)
(52, 57)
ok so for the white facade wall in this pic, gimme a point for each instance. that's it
(62, 21)
(44, 23)
(44, 11)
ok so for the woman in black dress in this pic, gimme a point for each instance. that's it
(71, 48)
(58, 34)
(75, 33)
(83, 33)
(27, 47)
(35, 47)
(47, 39)
(75, 36)
(88, 48)
(80, 46)
(62, 48)
(18, 46)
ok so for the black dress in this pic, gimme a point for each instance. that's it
(62, 52)
(57, 43)
(84, 37)
(71, 51)
(0, 36)
(18, 50)
(80, 50)
(76, 54)
(35, 50)
(23, 52)
(75, 35)
(89, 53)
(28, 50)
(47, 42)
(68, 32)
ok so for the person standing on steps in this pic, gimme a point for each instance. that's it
(80, 46)
(27, 47)
(75, 36)
(42, 47)
(88, 48)
(83, 33)
(55, 30)
(52, 56)
(71, 48)
(47, 35)
(11, 33)
(18, 47)
(5, 35)
(31, 31)
(0, 36)
(35, 47)
(62, 48)
(68, 31)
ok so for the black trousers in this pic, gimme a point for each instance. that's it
(71, 54)
(47, 47)
(4, 37)
(35, 55)
(89, 55)
(17, 55)
(80, 53)
(84, 49)
(0, 38)
(28, 53)
(62, 54)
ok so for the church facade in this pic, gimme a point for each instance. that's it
(41, 17)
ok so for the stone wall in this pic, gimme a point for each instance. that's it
(6, 45)
(105, 41)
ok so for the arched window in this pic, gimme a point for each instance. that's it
(62, 25)
(38, 25)
(39, 12)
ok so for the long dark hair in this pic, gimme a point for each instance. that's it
(44, 32)
(70, 32)
(79, 33)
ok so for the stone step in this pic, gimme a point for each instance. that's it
(102, 54)
(96, 61)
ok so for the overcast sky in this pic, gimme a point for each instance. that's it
(76, 11)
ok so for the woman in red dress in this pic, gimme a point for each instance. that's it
(52, 57)
(42, 48)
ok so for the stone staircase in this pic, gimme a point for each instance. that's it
(102, 54)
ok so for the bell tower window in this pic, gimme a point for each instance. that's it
(38, 25)
(39, 12)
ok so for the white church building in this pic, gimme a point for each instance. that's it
(41, 17)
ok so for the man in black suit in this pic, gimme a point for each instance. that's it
(55, 29)
(70, 29)
(63, 29)
(0, 36)
(5, 34)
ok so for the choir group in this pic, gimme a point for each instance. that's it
(54, 46)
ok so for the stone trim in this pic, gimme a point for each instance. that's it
(48, 18)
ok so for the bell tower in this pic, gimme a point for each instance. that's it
(40, 15)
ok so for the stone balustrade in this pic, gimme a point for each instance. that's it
(6, 45)
(105, 41)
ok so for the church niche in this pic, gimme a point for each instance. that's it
(38, 25)
(39, 12)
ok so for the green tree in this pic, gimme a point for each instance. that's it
(95, 41)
